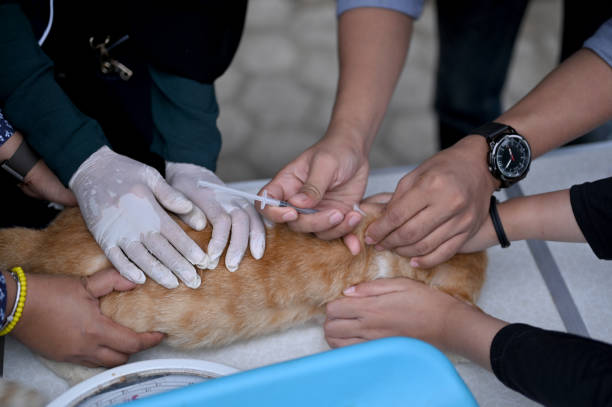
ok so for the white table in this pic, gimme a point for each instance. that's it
(514, 290)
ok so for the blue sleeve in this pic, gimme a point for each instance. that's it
(601, 42)
(413, 8)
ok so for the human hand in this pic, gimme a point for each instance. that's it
(41, 183)
(225, 211)
(332, 176)
(437, 207)
(62, 321)
(120, 202)
(388, 307)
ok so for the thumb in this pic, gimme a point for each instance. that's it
(321, 174)
(106, 281)
(379, 287)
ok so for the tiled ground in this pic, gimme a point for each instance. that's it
(277, 96)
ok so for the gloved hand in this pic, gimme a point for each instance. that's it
(223, 210)
(118, 198)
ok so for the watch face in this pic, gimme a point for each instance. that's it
(512, 156)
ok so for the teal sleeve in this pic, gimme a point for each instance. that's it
(185, 116)
(36, 105)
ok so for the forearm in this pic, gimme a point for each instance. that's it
(373, 44)
(546, 216)
(469, 332)
(573, 99)
(10, 146)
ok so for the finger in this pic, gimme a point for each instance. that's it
(195, 218)
(399, 210)
(106, 281)
(322, 170)
(378, 287)
(257, 233)
(348, 224)
(124, 266)
(178, 238)
(172, 259)
(412, 232)
(239, 239)
(341, 342)
(343, 328)
(169, 197)
(317, 222)
(124, 340)
(382, 198)
(441, 254)
(352, 243)
(222, 224)
(152, 267)
(276, 190)
(344, 308)
(109, 358)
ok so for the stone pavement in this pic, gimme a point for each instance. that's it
(277, 96)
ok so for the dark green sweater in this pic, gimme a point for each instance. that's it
(184, 110)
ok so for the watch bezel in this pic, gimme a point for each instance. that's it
(496, 144)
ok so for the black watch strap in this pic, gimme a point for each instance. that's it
(499, 229)
(492, 129)
(21, 162)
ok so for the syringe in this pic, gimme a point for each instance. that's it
(264, 199)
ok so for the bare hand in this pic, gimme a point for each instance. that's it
(330, 176)
(438, 206)
(62, 321)
(388, 307)
(41, 183)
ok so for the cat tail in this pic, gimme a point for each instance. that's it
(18, 246)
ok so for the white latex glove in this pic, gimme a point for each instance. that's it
(120, 201)
(225, 211)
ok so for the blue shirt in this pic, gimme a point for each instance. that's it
(601, 42)
(413, 8)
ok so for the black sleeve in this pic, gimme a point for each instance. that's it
(592, 206)
(553, 368)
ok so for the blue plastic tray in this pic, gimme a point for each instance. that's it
(384, 372)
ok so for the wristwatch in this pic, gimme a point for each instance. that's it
(21, 162)
(509, 153)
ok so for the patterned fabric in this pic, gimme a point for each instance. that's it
(2, 299)
(6, 130)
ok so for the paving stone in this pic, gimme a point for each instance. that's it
(269, 53)
(235, 127)
(276, 101)
(263, 14)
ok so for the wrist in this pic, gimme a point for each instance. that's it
(351, 136)
(10, 146)
(476, 150)
(11, 291)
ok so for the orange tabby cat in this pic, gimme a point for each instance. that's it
(296, 277)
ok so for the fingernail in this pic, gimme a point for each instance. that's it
(414, 263)
(369, 240)
(335, 218)
(349, 290)
(353, 221)
(290, 216)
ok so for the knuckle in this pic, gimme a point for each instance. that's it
(422, 247)
(312, 191)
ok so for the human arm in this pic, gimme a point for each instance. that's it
(332, 174)
(441, 204)
(584, 211)
(62, 321)
(553, 368)
(39, 182)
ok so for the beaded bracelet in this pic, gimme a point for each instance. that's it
(20, 297)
